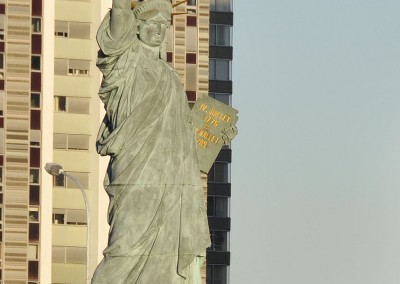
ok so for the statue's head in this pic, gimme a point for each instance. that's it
(154, 16)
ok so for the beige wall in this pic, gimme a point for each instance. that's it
(80, 161)
(47, 142)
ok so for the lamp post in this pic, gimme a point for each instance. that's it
(55, 170)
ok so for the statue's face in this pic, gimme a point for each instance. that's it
(152, 30)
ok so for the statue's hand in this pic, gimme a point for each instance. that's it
(229, 133)
(121, 15)
(122, 4)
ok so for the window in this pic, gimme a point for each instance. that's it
(2, 24)
(78, 67)
(33, 214)
(82, 177)
(217, 206)
(216, 274)
(219, 172)
(72, 67)
(191, 21)
(60, 103)
(220, 69)
(78, 105)
(79, 30)
(221, 5)
(36, 8)
(61, 29)
(219, 241)
(58, 219)
(69, 217)
(76, 217)
(60, 141)
(1, 102)
(1, 66)
(36, 25)
(191, 58)
(60, 66)
(220, 35)
(222, 97)
(34, 176)
(36, 43)
(34, 157)
(72, 104)
(63, 181)
(75, 255)
(78, 142)
(191, 2)
(59, 181)
(35, 62)
(71, 141)
(35, 137)
(72, 29)
(35, 119)
(35, 100)
(33, 270)
(34, 195)
(33, 252)
(59, 216)
(58, 254)
(33, 232)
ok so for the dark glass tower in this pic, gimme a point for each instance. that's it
(219, 186)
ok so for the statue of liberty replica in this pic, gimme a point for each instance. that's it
(158, 222)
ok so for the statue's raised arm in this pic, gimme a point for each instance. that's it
(120, 15)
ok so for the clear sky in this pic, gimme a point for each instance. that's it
(316, 165)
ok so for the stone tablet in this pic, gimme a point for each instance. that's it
(215, 126)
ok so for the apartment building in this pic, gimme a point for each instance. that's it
(24, 227)
(77, 113)
(219, 186)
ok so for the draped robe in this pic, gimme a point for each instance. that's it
(157, 216)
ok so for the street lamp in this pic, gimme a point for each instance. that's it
(55, 170)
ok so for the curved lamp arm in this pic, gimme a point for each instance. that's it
(55, 170)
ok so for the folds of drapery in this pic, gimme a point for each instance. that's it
(157, 216)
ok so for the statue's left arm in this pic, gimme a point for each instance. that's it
(229, 133)
(118, 30)
(121, 15)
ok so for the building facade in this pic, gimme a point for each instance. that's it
(219, 186)
(77, 114)
(24, 222)
(50, 111)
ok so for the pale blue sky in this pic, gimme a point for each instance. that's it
(315, 173)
